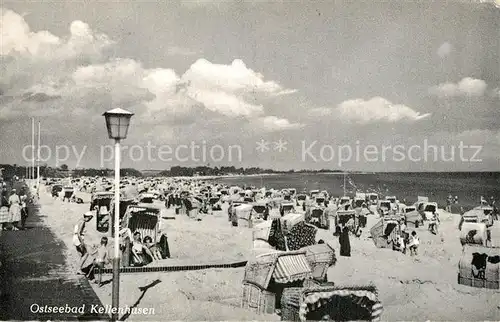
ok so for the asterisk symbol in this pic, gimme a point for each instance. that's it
(280, 146)
(262, 146)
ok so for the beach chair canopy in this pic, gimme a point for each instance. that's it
(283, 267)
(261, 231)
(102, 195)
(291, 219)
(259, 208)
(244, 211)
(474, 215)
(344, 216)
(291, 267)
(339, 303)
(142, 219)
(213, 200)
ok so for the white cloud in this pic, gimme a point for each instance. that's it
(226, 104)
(286, 92)
(496, 3)
(18, 39)
(376, 109)
(468, 86)
(273, 124)
(76, 71)
(444, 50)
(224, 88)
(229, 78)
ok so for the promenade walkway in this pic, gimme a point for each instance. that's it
(34, 274)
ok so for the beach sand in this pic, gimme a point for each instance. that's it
(420, 288)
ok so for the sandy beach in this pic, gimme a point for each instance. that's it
(420, 288)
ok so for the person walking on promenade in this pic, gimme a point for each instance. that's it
(4, 209)
(78, 238)
(24, 211)
(5, 200)
(14, 209)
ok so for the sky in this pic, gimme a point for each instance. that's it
(351, 85)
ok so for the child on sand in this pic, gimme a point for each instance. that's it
(148, 241)
(101, 259)
(414, 242)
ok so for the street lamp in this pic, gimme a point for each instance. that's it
(117, 122)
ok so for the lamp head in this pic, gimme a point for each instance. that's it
(117, 123)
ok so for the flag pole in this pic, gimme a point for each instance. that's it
(32, 173)
(38, 162)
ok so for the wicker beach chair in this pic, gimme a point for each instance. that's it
(320, 258)
(479, 267)
(337, 303)
(267, 275)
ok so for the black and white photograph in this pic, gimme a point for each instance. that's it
(249, 160)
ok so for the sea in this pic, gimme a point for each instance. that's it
(437, 186)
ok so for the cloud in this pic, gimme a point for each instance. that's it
(18, 39)
(230, 78)
(285, 92)
(496, 3)
(39, 97)
(75, 74)
(376, 109)
(225, 89)
(444, 50)
(273, 124)
(226, 104)
(468, 87)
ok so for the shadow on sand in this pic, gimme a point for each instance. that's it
(143, 289)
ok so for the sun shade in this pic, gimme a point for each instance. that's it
(291, 268)
(367, 299)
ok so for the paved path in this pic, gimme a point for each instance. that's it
(34, 274)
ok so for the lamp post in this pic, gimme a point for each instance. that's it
(117, 122)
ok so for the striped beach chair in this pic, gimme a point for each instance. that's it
(338, 303)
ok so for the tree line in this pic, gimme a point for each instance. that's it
(9, 171)
(178, 171)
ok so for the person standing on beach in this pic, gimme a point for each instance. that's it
(78, 238)
(101, 259)
(266, 212)
(495, 209)
(414, 242)
(449, 201)
(345, 244)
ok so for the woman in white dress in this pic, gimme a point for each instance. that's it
(14, 209)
